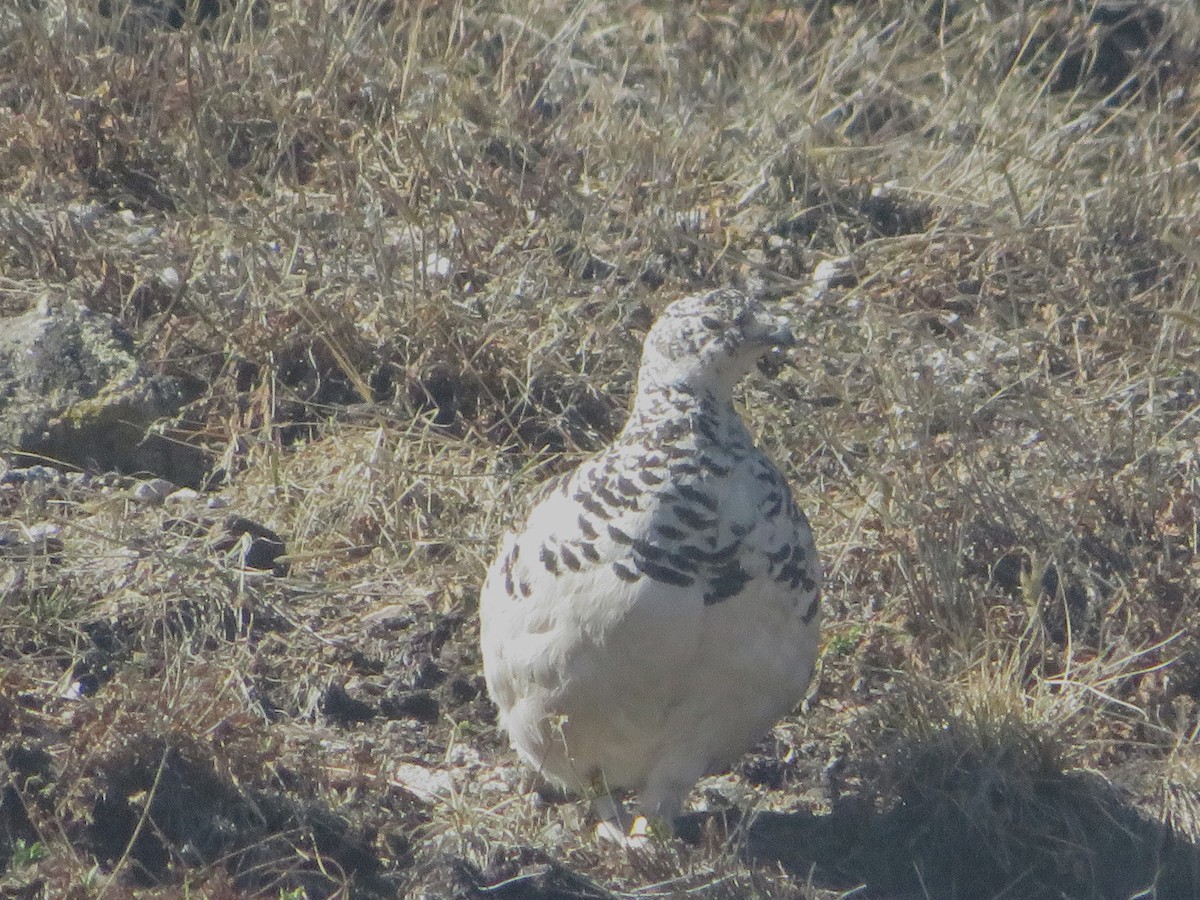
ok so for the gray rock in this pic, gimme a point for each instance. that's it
(37, 476)
(72, 391)
(153, 492)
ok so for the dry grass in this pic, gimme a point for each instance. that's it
(403, 250)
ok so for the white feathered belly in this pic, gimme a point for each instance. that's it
(603, 685)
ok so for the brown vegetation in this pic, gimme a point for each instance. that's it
(403, 252)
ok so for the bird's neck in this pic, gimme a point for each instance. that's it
(682, 409)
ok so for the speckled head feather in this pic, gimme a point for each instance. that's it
(710, 340)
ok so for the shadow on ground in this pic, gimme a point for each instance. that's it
(1077, 839)
(1000, 824)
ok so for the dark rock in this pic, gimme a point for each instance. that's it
(764, 770)
(259, 547)
(861, 213)
(72, 390)
(34, 477)
(1116, 46)
(1009, 569)
(440, 391)
(19, 767)
(464, 690)
(203, 818)
(419, 705)
(169, 13)
(428, 674)
(174, 14)
(344, 709)
(1066, 608)
(556, 414)
(581, 263)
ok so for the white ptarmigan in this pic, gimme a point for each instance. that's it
(657, 611)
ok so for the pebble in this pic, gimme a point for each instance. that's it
(73, 692)
(427, 784)
(44, 531)
(33, 475)
(831, 273)
(438, 266)
(154, 491)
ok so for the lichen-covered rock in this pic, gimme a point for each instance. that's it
(73, 392)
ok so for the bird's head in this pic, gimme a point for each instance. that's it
(710, 341)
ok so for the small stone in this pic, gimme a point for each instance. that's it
(829, 274)
(342, 708)
(154, 491)
(425, 783)
(86, 215)
(257, 546)
(44, 531)
(181, 496)
(438, 266)
(33, 475)
(73, 692)
(419, 705)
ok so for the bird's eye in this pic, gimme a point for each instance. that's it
(712, 323)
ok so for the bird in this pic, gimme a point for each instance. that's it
(656, 611)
